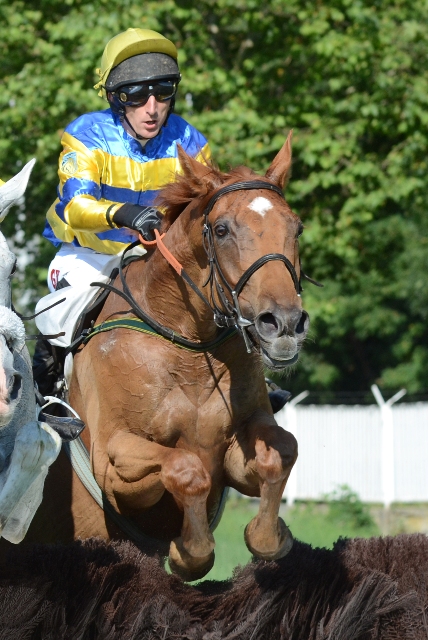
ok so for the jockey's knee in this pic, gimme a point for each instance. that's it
(185, 474)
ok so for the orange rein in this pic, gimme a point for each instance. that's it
(162, 248)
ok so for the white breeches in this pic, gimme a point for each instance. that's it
(79, 266)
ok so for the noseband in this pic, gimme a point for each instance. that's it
(230, 316)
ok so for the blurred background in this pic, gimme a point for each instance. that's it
(350, 77)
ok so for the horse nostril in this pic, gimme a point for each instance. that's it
(15, 386)
(300, 328)
(268, 324)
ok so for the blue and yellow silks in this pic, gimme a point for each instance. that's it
(102, 165)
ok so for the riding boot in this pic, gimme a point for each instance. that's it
(278, 397)
(48, 361)
(48, 366)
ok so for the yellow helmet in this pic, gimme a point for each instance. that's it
(125, 59)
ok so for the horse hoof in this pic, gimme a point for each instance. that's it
(186, 566)
(284, 547)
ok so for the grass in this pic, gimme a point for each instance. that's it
(342, 514)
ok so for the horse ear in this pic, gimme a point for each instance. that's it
(279, 170)
(14, 188)
(197, 173)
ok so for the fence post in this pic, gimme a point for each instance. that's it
(387, 444)
(291, 426)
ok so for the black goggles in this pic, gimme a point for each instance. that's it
(138, 94)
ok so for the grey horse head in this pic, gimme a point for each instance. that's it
(17, 404)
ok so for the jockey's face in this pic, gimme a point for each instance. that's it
(147, 119)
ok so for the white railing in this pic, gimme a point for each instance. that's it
(380, 451)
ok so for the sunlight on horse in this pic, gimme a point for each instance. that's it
(169, 428)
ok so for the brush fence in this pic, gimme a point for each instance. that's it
(382, 454)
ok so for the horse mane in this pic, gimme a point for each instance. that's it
(175, 196)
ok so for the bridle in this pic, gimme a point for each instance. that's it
(229, 314)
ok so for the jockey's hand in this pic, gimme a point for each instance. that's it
(141, 219)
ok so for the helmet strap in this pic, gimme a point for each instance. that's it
(170, 110)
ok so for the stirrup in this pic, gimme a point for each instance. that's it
(67, 428)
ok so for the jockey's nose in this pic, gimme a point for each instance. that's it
(151, 105)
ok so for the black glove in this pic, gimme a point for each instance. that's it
(141, 219)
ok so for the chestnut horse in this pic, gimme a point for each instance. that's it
(168, 428)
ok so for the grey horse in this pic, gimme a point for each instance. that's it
(27, 446)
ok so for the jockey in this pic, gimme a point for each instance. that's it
(111, 168)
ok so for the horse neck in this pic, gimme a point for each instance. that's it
(164, 295)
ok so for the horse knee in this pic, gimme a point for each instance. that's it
(184, 474)
(275, 460)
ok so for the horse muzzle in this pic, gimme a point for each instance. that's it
(280, 334)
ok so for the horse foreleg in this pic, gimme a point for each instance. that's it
(192, 554)
(258, 463)
(140, 472)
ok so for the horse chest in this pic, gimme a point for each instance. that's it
(169, 396)
(192, 414)
(200, 407)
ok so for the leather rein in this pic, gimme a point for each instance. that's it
(230, 315)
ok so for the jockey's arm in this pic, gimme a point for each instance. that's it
(80, 202)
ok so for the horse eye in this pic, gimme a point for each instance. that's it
(13, 268)
(300, 230)
(221, 230)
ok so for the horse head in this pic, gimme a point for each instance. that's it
(12, 332)
(251, 239)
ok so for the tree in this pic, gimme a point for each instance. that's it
(349, 77)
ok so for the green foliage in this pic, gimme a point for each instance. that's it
(350, 78)
(346, 508)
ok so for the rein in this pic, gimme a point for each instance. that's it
(155, 326)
